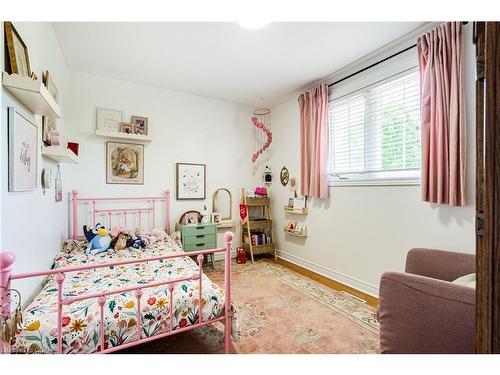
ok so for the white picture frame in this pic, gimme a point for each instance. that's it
(216, 218)
(108, 120)
(191, 181)
(23, 152)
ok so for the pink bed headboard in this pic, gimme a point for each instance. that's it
(138, 211)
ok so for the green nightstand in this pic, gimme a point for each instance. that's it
(198, 237)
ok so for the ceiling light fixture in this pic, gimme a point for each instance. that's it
(253, 24)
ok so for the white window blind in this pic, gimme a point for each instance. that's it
(375, 131)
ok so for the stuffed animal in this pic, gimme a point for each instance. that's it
(119, 242)
(98, 239)
(137, 242)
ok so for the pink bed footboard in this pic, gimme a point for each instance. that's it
(7, 260)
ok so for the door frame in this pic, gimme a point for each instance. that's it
(487, 40)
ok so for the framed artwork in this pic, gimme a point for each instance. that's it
(49, 124)
(50, 85)
(126, 128)
(109, 120)
(140, 125)
(124, 163)
(191, 218)
(17, 50)
(190, 181)
(23, 147)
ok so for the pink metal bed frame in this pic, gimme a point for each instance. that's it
(7, 260)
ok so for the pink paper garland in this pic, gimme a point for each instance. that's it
(269, 134)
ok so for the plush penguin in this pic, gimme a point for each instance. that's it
(98, 239)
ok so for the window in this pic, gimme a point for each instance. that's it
(375, 131)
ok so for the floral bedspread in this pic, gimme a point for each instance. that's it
(81, 320)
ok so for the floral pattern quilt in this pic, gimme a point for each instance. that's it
(81, 320)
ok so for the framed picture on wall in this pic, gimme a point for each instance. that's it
(109, 120)
(23, 147)
(124, 163)
(140, 125)
(49, 124)
(18, 52)
(48, 81)
(190, 181)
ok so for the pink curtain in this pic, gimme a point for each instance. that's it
(314, 142)
(440, 54)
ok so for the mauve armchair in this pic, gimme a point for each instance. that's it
(421, 311)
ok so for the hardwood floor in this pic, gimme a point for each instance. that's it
(370, 300)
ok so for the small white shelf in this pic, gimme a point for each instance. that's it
(60, 154)
(130, 137)
(32, 93)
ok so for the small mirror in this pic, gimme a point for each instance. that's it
(222, 202)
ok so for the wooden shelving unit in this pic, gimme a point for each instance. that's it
(262, 204)
(296, 211)
(32, 94)
(60, 154)
(124, 136)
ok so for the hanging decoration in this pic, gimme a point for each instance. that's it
(261, 121)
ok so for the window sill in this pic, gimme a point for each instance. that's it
(374, 182)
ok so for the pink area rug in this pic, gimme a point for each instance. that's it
(281, 311)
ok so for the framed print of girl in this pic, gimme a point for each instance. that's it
(124, 163)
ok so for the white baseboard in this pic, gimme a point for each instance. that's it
(362, 286)
(220, 256)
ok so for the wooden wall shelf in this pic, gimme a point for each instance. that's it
(124, 136)
(295, 233)
(32, 94)
(296, 211)
(60, 154)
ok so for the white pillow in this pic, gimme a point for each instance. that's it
(467, 280)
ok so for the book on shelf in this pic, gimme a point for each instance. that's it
(256, 238)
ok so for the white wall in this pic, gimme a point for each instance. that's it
(361, 232)
(185, 128)
(32, 223)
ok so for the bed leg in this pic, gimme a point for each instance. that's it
(74, 193)
(6, 261)
(228, 237)
(59, 280)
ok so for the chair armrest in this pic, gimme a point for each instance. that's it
(439, 264)
(418, 314)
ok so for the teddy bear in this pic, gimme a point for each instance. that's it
(120, 241)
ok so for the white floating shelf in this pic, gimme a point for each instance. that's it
(32, 93)
(130, 137)
(60, 154)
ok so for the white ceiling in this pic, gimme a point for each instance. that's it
(223, 60)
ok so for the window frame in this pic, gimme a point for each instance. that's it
(412, 177)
